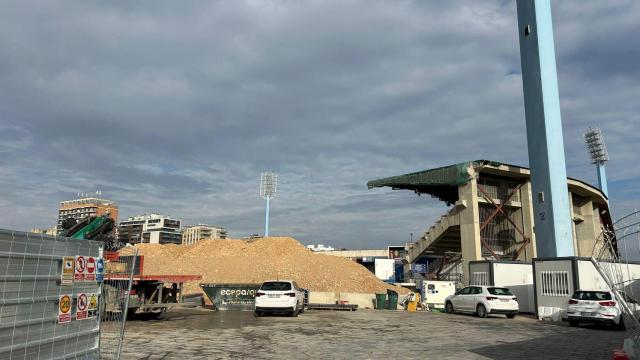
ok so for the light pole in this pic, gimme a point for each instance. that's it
(599, 155)
(268, 185)
(544, 129)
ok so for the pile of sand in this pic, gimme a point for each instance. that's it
(258, 260)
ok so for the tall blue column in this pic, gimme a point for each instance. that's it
(266, 220)
(602, 179)
(544, 130)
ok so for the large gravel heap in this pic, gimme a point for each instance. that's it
(257, 260)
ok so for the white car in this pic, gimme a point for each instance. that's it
(597, 306)
(483, 300)
(279, 296)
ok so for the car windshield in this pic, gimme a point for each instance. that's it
(592, 295)
(276, 286)
(499, 291)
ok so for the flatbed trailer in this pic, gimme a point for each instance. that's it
(335, 307)
(150, 295)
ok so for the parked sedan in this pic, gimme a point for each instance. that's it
(279, 296)
(482, 301)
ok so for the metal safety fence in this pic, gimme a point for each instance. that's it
(58, 302)
(44, 310)
(114, 305)
(611, 257)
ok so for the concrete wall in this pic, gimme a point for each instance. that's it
(589, 277)
(364, 301)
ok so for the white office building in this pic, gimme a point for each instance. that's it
(151, 229)
(319, 248)
(195, 233)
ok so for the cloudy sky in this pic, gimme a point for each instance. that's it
(177, 106)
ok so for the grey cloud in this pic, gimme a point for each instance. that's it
(177, 107)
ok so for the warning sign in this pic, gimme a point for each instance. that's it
(90, 274)
(81, 268)
(64, 309)
(81, 306)
(100, 270)
(93, 305)
(68, 265)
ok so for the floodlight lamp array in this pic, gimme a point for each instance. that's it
(596, 146)
(268, 184)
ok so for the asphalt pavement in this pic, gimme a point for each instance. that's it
(363, 334)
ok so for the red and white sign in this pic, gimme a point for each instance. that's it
(81, 306)
(64, 309)
(81, 268)
(90, 274)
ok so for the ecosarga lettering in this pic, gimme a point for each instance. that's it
(238, 292)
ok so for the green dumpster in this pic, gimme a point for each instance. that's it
(381, 301)
(393, 300)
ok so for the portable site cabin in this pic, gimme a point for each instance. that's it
(385, 269)
(433, 292)
(556, 279)
(515, 275)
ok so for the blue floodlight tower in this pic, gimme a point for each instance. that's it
(268, 185)
(554, 237)
(599, 155)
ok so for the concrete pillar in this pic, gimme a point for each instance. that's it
(470, 224)
(573, 225)
(588, 230)
(528, 222)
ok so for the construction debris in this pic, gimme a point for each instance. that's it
(257, 260)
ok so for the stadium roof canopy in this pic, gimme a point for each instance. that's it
(443, 182)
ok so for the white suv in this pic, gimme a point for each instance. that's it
(597, 306)
(279, 296)
(483, 300)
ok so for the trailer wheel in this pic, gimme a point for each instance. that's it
(131, 314)
(154, 315)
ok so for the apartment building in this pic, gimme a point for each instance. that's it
(85, 206)
(195, 233)
(150, 229)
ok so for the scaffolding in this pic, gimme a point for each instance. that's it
(501, 226)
